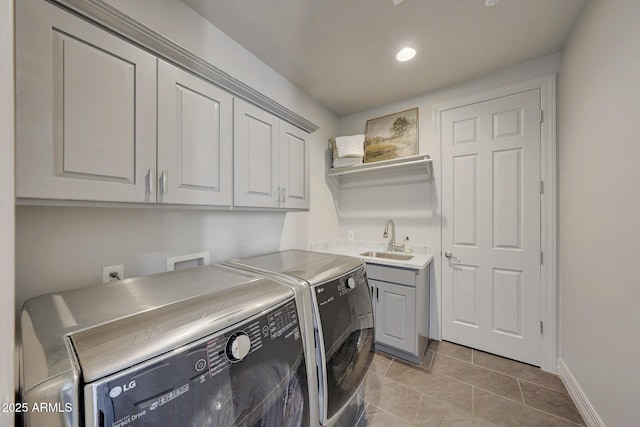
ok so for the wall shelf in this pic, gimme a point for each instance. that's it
(420, 161)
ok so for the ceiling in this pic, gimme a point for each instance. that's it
(342, 52)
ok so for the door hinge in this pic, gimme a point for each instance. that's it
(541, 327)
(541, 257)
(541, 187)
(541, 116)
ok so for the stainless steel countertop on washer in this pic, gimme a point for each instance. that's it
(313, 267)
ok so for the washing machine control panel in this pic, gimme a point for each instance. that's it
(203, 383)
(351, 283)
(238, 346)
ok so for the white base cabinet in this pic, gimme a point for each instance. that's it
(401, 310)
(395, 313)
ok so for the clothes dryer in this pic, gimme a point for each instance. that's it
(339, 315)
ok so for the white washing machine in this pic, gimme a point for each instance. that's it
(338, 313)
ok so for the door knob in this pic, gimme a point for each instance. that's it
(450, 255)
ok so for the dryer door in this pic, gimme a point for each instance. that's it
(346, 337)
(250, 375)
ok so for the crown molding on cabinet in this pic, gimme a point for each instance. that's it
(115, 21)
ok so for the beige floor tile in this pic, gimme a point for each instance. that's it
(427, 359)
(433, 412)
(492, 381)
(456, 386)
(441, 387)
(380, 363)
(376, 417)
(551, 401)
(393, 397)
(517, 369)
(505, 412)
(468, 421)
(451, 349)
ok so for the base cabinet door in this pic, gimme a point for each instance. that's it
(395, 316)
(195, 139)
(85, 110)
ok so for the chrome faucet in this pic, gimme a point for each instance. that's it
(392, 241)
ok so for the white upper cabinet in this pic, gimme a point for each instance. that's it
(85, 116)
(294, 166)
(271, 160)
(99, 119)
(256, 143)
(194, 139)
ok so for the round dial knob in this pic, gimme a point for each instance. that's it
(238, 346)
(351, 283)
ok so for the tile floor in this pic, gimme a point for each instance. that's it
(459, 386)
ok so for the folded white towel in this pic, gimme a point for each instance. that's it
(350, 145)
(347, 161)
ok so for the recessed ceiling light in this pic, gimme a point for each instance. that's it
(406, 54)
(490, 2)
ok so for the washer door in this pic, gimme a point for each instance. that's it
(345, 329)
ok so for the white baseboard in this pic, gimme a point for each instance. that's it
(585, 408)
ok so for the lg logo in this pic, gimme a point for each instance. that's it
(117, 390)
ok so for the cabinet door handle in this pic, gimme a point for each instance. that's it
(377, 294)
(164, 182)
(284, 195)
(278, 196)
(151, 176)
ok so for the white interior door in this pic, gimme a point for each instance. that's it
(491, 226)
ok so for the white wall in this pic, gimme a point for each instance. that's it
(6, 211)
(415, 207)
(599, 154)
(180, 23)
(66, 247)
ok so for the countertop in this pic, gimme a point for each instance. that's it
(422, 254)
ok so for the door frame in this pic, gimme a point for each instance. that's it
(8, 375)
(548, 209)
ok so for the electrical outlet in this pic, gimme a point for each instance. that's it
(351, 235)
(112, 273)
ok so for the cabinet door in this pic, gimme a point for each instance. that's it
(396, 316)
(195, 125)
(256, 151)
(85, 110)
(294, 166)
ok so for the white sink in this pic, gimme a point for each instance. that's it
(387, 255)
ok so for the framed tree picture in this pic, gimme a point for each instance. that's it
(392, 136)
